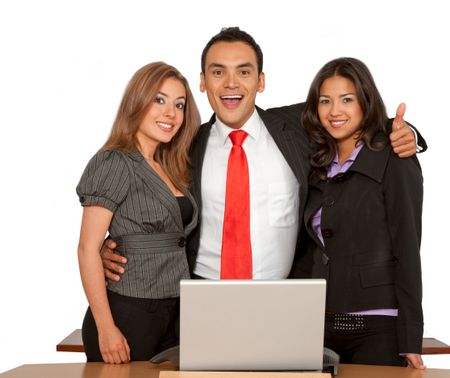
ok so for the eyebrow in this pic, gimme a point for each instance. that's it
(178, 98)
(243, 65)
(342, 95)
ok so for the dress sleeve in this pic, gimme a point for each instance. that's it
(105, 181)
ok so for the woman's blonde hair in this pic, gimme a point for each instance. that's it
(137, 99)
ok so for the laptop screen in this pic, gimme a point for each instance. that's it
(252, 325)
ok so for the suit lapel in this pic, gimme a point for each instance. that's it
(197, 156)
(288, 138)
(291, 139)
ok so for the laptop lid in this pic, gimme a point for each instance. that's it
(252, 325)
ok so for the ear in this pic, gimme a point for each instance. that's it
(261, 82)
(202, 82)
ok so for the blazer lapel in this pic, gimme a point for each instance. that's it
(194, 218)
(156, 185)
(314, 204)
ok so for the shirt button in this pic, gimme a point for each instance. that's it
(181, 242)
(327, 233)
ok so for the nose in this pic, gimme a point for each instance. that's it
(169, 110)
(335, 108)
(231, 81)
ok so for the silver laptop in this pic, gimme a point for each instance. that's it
(252, 325)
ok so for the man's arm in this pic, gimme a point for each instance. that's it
(111, 269)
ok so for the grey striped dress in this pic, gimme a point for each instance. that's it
(146, 223)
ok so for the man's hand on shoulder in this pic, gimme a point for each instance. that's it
(402, 137)
(110, 260)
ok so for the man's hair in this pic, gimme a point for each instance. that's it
(234, 34)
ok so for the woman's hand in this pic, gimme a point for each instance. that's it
(113, 346)
(415, 361)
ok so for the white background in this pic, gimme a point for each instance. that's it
(64, 66)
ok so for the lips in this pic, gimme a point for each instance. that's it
(165, 125)
(231, 101)
(337, 123)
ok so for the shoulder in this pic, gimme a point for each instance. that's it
(295, 110)
(105, 180)
(113, 158)
(107, 165)
(398, 168)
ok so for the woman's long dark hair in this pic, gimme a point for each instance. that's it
(374, 112)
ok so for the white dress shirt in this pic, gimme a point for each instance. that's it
(274, 202)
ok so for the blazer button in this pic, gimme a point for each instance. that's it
(82, 199)
(181, 242)
(328, 201)
(339, 177)
(327, 233)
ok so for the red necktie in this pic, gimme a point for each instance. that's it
(236, 260)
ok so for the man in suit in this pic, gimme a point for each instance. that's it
(277, 149)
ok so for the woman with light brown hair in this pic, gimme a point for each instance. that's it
(135, 188)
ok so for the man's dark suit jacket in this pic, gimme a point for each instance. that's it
(284, 125)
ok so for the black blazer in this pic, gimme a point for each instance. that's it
(284, 125)
(371, 225)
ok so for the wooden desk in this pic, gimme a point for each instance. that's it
(73, 343)
(433, 346)
(148, 370)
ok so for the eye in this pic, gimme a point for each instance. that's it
(346, 100)
(180, 105)
(217, 73)
(324, 101)
(159, 100)
(245, 73)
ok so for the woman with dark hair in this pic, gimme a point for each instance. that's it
(363, 218)
(135, 188)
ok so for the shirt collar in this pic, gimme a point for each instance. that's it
(252, 127)
(334, 168)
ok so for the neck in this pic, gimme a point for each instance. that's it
(344, 150)
(148, 151)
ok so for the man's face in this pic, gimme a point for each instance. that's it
(231, 81)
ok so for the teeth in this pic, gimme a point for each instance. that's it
(337, 123)
(231, 97)
(164, 125)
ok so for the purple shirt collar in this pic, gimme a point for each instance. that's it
(334, 168)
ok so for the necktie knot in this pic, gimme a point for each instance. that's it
(237, 137)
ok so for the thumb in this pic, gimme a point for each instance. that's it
(398, 120)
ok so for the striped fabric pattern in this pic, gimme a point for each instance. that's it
(146, 223)
(285, 126)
